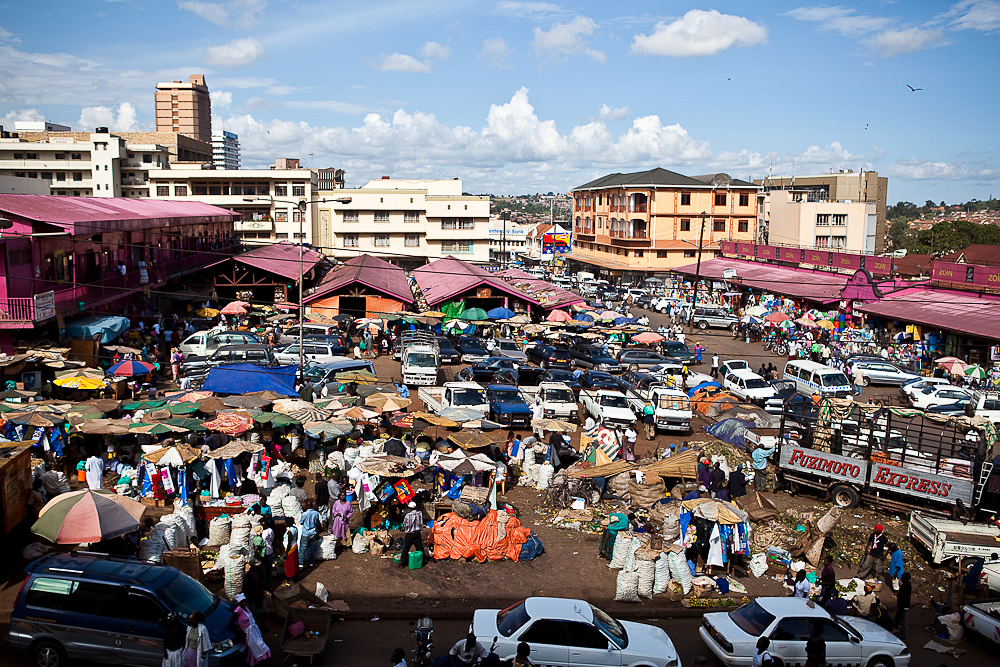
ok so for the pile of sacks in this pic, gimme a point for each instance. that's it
(647, 570)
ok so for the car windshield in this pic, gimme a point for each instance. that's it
(445, 344)
(560, 396)
(600, 377)
(752, 619)
(610, 627)
(506, 396)
(834, 380)
(185, 596)
(737, 365)
(421, 359)
(468, 397)
(512, 618)
(675, 346)
(756, 383)
(614, 401)
(783, 385)
(508, 346)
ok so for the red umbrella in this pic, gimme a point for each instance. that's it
(647, 337)
(774, 318)
(131, 367)
(236, 308)
(558, 316)
(230, 423)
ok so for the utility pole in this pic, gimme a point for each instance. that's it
(503, 239)
(697, 273)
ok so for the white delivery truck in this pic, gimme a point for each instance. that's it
(608, 407)
(558, 400)
(420, 360)
(468, 395)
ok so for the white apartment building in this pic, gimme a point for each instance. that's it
(407, 221)
(267, 198)
(225, 150)
(513, 242)
(79, 164)
(807, 219)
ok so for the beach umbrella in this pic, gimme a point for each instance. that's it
(474, 439)
(182, 408)
(36, 419)
(435, 420)
(976, 371)
(461, 415)
(124, 349)
(358, 377)
(99, 405)
(557, 425)
(187, 396)
(366, 390)
(356, 413)
(156, 429)
(432, 313)
(647, 337)
(267, 395)
(309, 414)
(455, 324)
(131, 367)
(558, 316)
(482, 424)
(955, 367)
(275, 418)
(93, 373)
(87, 516)
(337, 402)
(244, 402)
(403, 421)
(16, 393)
(236, 308)
(946, 360)
(756, 311)
(143, 405)
(286, 405)
(210, 405)
(826, 324)
(174, 455)
(186, 422)
(328, 429)
(286, 305)
(7, 407)
(806, 322)
(103, 427)
(519, 319)
(81, 383)
(387, 402)
(774, 318)
(234, 448)
(460, 463)
(474, 314)
(230, 423)
(609, 315)
(583, 317)
(786, 324)
(500, 313)
(750, 319)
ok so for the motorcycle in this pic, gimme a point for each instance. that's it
(425, 642)
(491, 659)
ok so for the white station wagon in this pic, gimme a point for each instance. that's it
(563, 631)
(787, 622)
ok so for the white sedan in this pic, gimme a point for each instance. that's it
(562, 631)
(938, 394)
(787, 622)
(909, 389)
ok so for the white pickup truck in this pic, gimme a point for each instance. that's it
(468, 395)
(558, 400)
(945, 539)
(984, 618)
(671, 407)
(671, 375)
(608, 407)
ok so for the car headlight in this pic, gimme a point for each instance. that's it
(223, 646)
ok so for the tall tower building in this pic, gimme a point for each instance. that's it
(225, 150)
(185, 108)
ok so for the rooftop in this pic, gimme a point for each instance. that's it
(448, 277)
(975, 254)
(660, 177)
(281, 259)
(952, 310)
(369, 271)
(819, 286)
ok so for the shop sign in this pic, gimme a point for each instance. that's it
(915, 483)
(45, 305)
(970, 274)
(824, 463)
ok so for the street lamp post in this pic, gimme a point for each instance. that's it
(697, 273)
(503, 239)
(301, 206)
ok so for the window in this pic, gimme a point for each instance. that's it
(147, 158)
(744, 199)
(685, 225)
(685, 199)
(584, 636)
(822, 219)
(31, 156)
(792, 629)
(200, 189)
(545, 632)
(411, 240)
(720, 198)
(298, 216)
(638, 253)
(661, 254)
(75, 156)
(77, 175)
(161, 190)
(689, 253)
(298, 190)
(381, 216)
(350, 240)
(298, 235)
(280, 190)
(180, 191)
(350, 216)
(449, 223)
(281, 215)
(59, 156)
(381, 240)
(60, 175)
(840, 219)
(283, 235)
(466, 223)
(839, 242)
(215, 189)
(744, 226)
(456, 246)
(719, 225)
(47, 175)
(411, 216)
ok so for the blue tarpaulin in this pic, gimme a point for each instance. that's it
(695, 390)
(732, 431)
(248, 378)
(108, 327)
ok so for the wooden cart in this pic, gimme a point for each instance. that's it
(316, 620)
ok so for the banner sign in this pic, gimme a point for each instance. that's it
(970, 274)
(912, 482)
(880, 266)
(45, 305)
(555, 243)
(824, 463)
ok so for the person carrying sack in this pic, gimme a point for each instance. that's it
(874, 553)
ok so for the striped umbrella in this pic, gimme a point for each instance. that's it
(230, 423)
(236, 308)
(131, 367)
(310, 413)
(955, 367)
(87, 516)
(96, 373)
(977, 372)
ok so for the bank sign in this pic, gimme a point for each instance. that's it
(939, 488)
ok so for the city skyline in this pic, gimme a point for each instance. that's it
(517, 97)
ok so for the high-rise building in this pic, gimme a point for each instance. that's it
(185, 108)
(225, 150)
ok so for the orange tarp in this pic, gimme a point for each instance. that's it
(456, 538)
(703, 401)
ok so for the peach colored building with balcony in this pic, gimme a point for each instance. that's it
(649, 222)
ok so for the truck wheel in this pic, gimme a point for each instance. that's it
(844, 496)
(48, 654)
(703, 325)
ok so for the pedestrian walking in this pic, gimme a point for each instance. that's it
(649, 419)
(895, 566)
(413, 523)
(737, 483)
(816, 647)
(859, 381)
(715, 366)
(628, 445)
(310, 526)
(903, 603)
(827, 580)
(874, 552)
(717, 480)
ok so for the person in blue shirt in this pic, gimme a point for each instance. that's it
(310, 526)
(895, 564)
(759, 457)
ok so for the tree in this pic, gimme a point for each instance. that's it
(900, 234)
(905, 210)
(954, 235)
(943, 205)
(929, 204)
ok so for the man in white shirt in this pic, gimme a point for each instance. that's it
(465, 652)
(628, 450)
(94, 468)
(715, 365)
(156, 329)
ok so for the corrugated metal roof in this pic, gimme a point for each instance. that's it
(548, 296)
(950, 310)
(281, 259)
(449, 277)
(369, 271)
(797, 283)
(658, 177)
(68, 211)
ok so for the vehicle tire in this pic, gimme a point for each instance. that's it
(48, 653)
(844, 496)
(781, 350)
(879, 661)
(703, 325)
(866, 380)
(633, 368)
(663, 311)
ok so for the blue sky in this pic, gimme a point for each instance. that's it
(518, 97)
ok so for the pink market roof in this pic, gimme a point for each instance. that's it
(821, 286)
(281, 259)
(545, 293)
(448, 277)
(950, 310)
(118, 213)
(372, 272)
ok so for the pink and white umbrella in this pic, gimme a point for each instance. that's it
(558, 316)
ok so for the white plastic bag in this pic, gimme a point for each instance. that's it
(679, 571)
(321, 592)
(661, 574)
(360, 544)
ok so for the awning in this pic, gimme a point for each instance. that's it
(819, 286)
(108, 327)
(949, 310)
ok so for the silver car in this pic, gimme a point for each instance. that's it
(882, 372)
(713, 316)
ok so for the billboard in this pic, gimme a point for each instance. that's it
(555, 243)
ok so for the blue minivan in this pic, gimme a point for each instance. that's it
(83, 606)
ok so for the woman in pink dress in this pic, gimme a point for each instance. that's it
(340, 517)
(257, 650)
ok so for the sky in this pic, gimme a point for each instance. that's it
(524, 97)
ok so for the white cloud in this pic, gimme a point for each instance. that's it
(400, 62)
(495, 53)
(567, 39)
(907, 40)
(527, 9)
(237, 53)
(221, 99)
(124, 121)
(8, 36)
(610, 113)
(282, 89)
(328, 105)
(23, 114)
(844, 20)
(814, 159)
(981, 15)
(233, 14)
(699, 33)
(921, 170)
(436, 51)
(244, 82)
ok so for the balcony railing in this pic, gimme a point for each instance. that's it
(638, 208)
(17, 309)
(638, 234)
